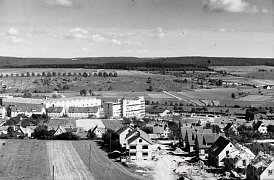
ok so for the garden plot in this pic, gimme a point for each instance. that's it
(66, 161)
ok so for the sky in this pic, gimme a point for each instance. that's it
(139, 28)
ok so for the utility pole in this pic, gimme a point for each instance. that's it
(89, 156)
(53, 172)
(110, 143)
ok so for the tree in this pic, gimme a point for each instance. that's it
(28, 74)
(91, 135)
(105, 74)
(66, 136)
(270, 128)
(100, 74)
(90, 92)
(85, 74)
(148, 130)
(95, 74)
(110, 74)
(22, 74)
(59, 74)
(83, 92)
(54, 73)
(49, 74)
(27, 95)
(111, 140)
(174, 127)
(41, 132)
(43, 74)
(115, 74)
(32, 74)
(233, 95)
(150, 88)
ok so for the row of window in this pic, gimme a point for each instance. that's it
(143, 147)
(144, 154)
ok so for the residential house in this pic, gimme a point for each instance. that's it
(98, 131)
(231, 129)
(122, 132)
(27, 131)
(203, 142)
(83, 112)
(261, 168)
(56, 112)
(59, 130)
(139, 145)
(260, 127)
(27, 110)
(219, 150)
(238, 158)
(161, 130)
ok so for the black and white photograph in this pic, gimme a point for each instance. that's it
(137, 89)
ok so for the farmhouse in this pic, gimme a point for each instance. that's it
(56, 112)
(125, 108)
(261, 167)
(83, 112)
(219, 150)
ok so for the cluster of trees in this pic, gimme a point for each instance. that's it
(216, 82)
(42, 132)
(34, 120)
(54, 74)
(110, 141)
(83, 92)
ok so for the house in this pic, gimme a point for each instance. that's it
(260, 127)
(98, 131)
(122, 132)
(230, 128)
(27, 131)
(238, 158)
(59, 130)
(3, 130)
(83, 112)
(55, 112)
(157, 112)
(261, 168)
(161, 130)
(139, 145)
(27, 110)
(203, 142)
(267, 87)
(219, 150)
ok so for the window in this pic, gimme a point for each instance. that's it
(244, 162)
(270, 172)
(140, 140)
(132, 147)
(145, 147)
(145, 154)
(227, 152)
(132, 154)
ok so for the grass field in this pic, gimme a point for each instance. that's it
(66, 161)
(24, 159)
(101, 167)
(34, 160)
(241, 69)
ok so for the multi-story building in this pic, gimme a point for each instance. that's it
(125, 108)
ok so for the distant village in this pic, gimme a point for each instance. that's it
(235, 146)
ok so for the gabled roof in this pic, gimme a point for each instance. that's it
(261, 161)
(139, 133)
(122, 129)
(55, 109)
(112, 124)
(257, 125)
(218, 146)
(83, 109)
(228, 126)
(63, 130)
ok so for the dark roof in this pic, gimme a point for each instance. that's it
(122, 129)
(54, 109)
(140, 133)
(155, 110)
(83, 109)
(257, 125)
(112, 124)
(228, 126)
(219, 145)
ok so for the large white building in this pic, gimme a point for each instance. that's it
(125, 108)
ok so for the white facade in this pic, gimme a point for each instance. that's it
(2, 112)
(125, 108)
(140, 149)
(122, 136)
(262, 129)
(73, 102)
(225, 152)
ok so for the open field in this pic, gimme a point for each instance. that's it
(101, 167)
(24, 159)
(241, 69)
(66, 161)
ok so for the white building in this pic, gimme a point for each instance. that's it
(73, 102)
(125, 108)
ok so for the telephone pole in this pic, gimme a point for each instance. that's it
(89, 157)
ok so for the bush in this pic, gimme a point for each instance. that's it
(66, 136)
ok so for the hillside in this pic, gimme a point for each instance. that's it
(128, 62)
